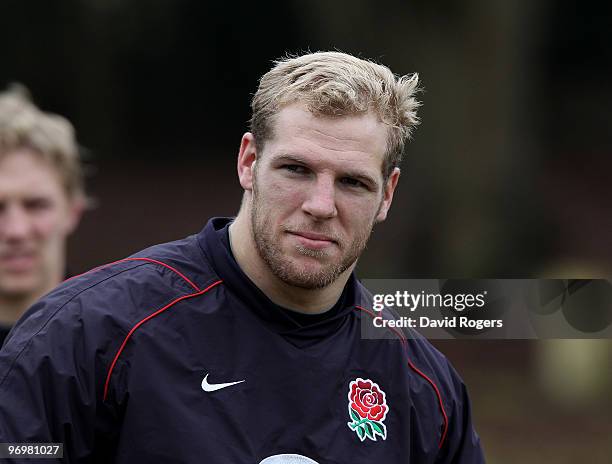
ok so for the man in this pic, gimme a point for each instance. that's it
(41, 200)
(242, 344)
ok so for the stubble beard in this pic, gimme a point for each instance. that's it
(283, 267)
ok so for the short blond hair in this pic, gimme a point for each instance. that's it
(338, 84)
(23, 125)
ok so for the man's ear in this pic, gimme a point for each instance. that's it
(389, 189)
(76, 208)
(247, 156)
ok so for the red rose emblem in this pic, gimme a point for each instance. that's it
(368, 400)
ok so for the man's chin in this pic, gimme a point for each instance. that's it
(313, 264)
(308, 273)
(306, 281)
(17, 287)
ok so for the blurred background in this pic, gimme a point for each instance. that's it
(509, 174)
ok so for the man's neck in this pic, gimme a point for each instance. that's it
(13, 306)
(310, 301)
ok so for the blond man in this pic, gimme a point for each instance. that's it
(242, 344)
(41, 200)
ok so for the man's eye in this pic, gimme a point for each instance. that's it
(295, 168)
(352, 182)
(37, 204)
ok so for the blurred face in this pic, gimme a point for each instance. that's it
(316, 191)
(36, 216)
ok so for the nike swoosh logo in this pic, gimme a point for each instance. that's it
(211, 387)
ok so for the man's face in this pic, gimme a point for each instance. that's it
(36, 216)
(317, 189)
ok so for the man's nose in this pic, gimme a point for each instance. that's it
(15, 223)
(321, 199)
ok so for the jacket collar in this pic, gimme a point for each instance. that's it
(214, 241)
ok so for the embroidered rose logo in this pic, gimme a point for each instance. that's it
(367, 409)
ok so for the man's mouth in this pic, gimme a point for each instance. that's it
(17, 261)
(313, 240)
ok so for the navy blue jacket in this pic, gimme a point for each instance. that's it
(174, 355)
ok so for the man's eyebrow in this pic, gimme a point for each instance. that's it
(358, 175)
(290, 158)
